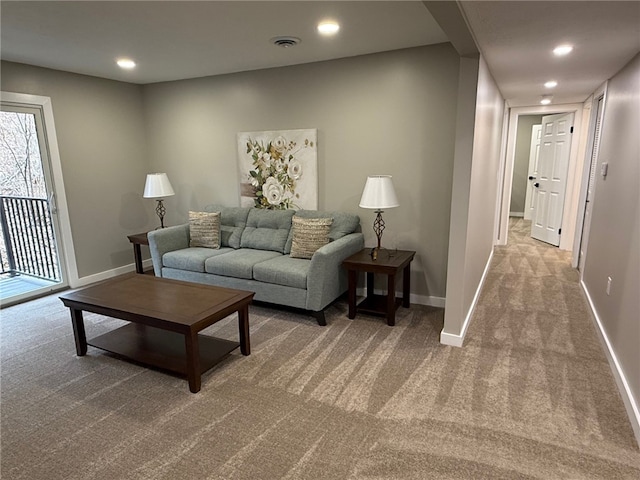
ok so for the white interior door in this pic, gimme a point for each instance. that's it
(551, 181)
(534, 154)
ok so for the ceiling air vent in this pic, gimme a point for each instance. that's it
(285, 42)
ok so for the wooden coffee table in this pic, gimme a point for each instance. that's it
(166, 316)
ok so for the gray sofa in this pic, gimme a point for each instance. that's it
(254, 255)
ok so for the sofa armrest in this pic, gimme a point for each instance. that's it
(327, 279)
(166, 240)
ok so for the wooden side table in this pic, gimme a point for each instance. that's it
(137, 240)
(389, 263)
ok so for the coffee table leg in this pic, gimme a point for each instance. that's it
(243, 327)
(78, 332)
(193, 361)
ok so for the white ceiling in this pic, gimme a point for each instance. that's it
(173, 40)
(176, 40)
(516, 39)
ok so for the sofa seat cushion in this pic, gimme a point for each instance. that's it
(283, 270)
(193, 258)
(238, 263)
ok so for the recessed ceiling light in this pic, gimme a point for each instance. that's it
(546, 100)
(126, 63)
(328, 28)
(551, 84)
(561, 50)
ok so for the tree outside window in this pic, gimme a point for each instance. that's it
(21, 172)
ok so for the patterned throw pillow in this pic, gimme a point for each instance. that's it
(204, 229)
(309, 234)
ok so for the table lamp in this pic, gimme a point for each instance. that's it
(378, 194)
(158, 186)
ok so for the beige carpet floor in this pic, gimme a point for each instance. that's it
(529, 396)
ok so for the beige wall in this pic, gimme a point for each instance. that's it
(100, 133)
(484, 181)
(475, 190)
(387, 113)
(614, 239)
(521, 161)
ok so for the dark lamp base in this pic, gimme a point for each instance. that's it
(160, 211)
(375, 252)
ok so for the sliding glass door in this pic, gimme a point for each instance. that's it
(30, 240)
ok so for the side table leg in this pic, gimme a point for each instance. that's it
(406, 286)
(137, 255)
(78, 332)
(370, 285)
(243, 327)
(353, 280)
(391, 299)
(193, 361)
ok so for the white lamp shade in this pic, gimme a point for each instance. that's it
(379, 193)
(157, 186)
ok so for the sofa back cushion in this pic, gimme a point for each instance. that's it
(267, 229)
(233, 221)
(343, 224)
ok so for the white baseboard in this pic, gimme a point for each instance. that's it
(630, 403)
(516, 214)
(427, 300)
(456, 340)
(430, 301)
(98, 277)
(451, 339)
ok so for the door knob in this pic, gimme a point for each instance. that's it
(536, 184)
(531, 177)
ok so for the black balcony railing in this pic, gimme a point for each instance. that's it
(27, 242)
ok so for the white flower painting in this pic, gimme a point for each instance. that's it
(278, 169)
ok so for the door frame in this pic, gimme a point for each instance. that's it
(586, 170)
(507, 162)
(66, 240)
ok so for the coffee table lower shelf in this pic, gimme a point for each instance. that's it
(161, 348)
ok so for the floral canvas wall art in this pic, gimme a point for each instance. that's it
(278, 169)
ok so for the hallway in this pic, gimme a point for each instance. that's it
(538, 355)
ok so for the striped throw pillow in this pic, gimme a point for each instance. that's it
(204, 229)
(309, 234)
